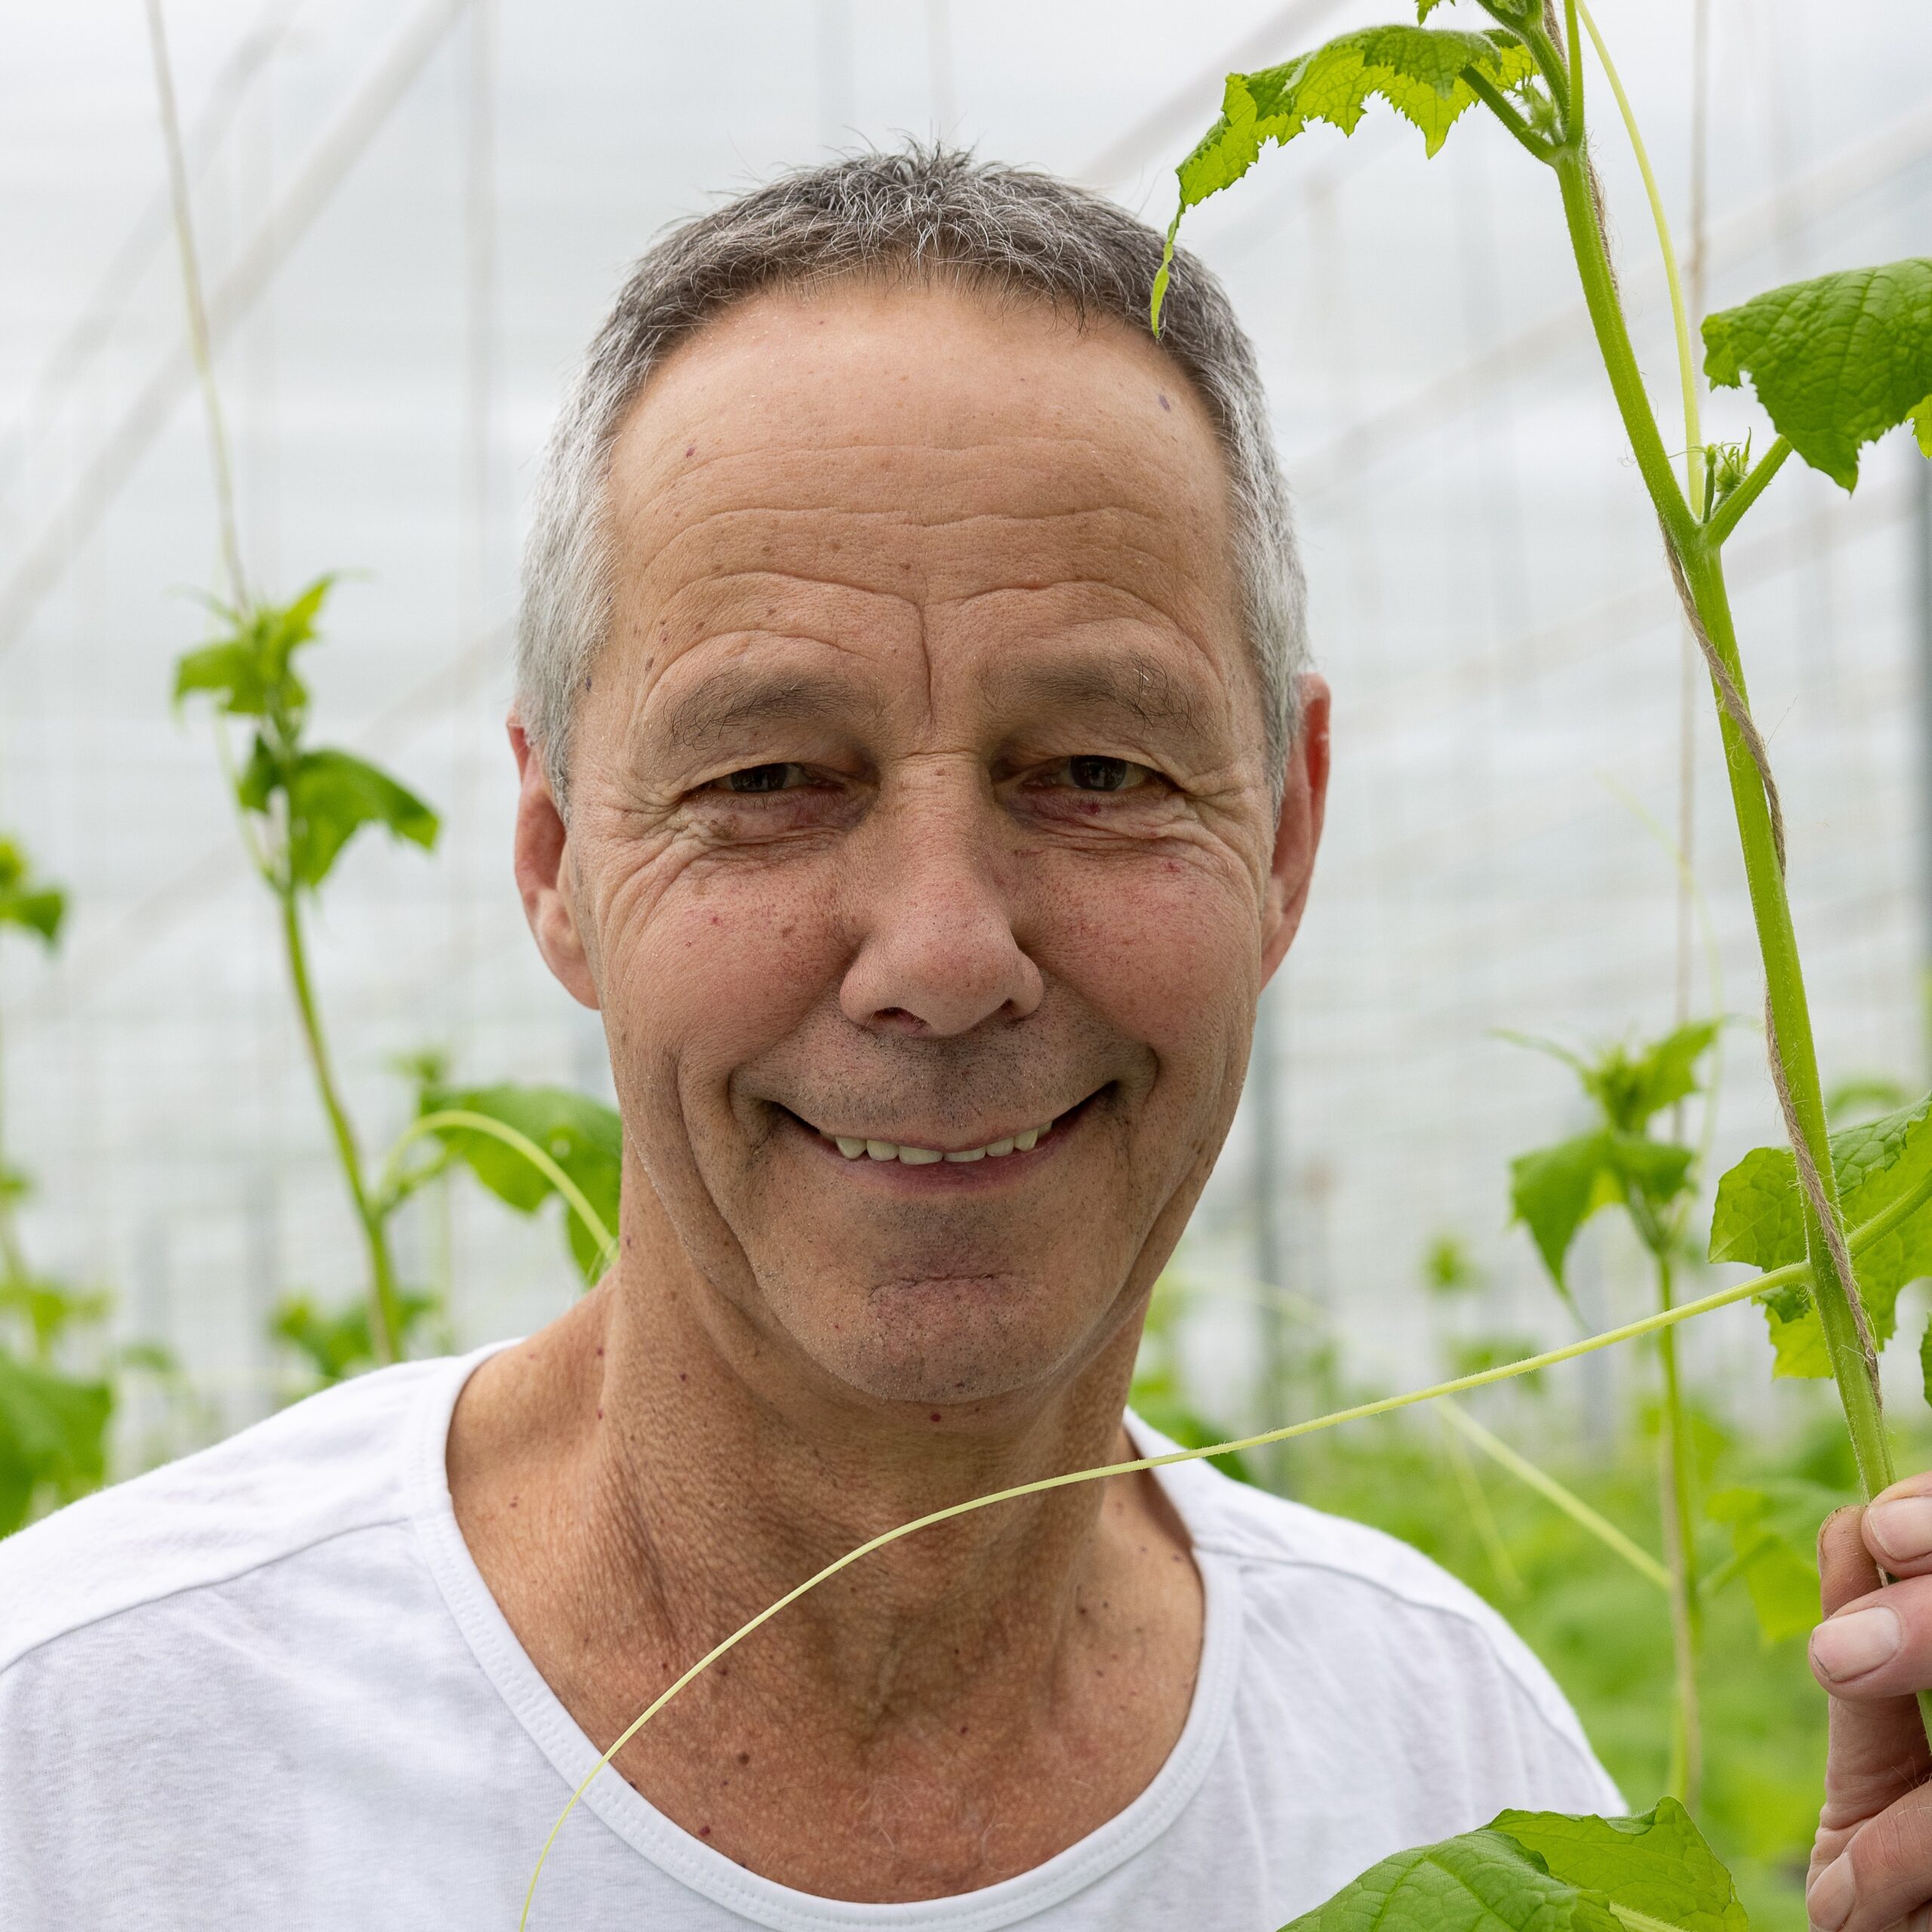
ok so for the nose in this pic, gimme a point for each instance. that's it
(937, 953)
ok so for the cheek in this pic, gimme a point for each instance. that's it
(718, 970)
(1168, 948)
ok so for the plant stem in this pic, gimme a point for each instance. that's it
(1796, 1055)
(1620, 358)
(1545, 1485)
(1724, 518)
(1855, 1372)
(1687, 370)
(1482, 1518)
(1680, 1543)
(385, 1312)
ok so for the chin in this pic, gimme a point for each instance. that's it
(949, 1341)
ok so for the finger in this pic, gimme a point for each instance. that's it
(1872, 1651)
(1882, 1877)
(1898, 1526)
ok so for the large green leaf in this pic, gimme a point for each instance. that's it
(1836, 362)
(52, 1432)
(1758, 1220)
(1418, 70)
(583, 1136)
(26, 902)
(1541, 1872)
(1554, 1190)
(331, 796)
(1658, 1865)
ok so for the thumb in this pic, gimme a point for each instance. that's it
(1877, 1745)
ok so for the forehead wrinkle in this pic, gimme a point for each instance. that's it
(743, 694)
(1134, 681)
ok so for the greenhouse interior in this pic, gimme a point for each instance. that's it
(406, 222)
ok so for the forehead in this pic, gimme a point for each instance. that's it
(870, 462)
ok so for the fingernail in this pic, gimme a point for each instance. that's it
(1902, 1529)
(1828, 1898)
(1844, 1647)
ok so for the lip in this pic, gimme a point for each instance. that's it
(947, 1175)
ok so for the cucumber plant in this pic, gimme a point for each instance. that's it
(300, 806)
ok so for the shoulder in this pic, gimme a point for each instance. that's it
(326, 1467)
(1324, 1595)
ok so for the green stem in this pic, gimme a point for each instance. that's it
(384, 1310)
(1620, 358)
(1680, 1540)
(1686, 369)
(1545, 1485)
(1725, 518)
(448, 1118)
(1856, 1373)
(1791, 1018)
(1493, 98)
(1482, 1518)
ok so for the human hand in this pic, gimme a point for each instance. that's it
(1872, 1864)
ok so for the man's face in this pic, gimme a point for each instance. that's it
(920, 807)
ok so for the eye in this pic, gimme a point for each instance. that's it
(1091, 773)
(757, 778)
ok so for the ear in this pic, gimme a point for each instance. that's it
(543, 873)
(1298, 831)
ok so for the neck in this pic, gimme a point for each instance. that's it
(680, 1482)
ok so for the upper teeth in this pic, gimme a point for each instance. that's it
(918, 1157)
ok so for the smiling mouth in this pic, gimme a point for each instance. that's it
(867, 1147)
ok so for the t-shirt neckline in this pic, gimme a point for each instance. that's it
(709, 1873)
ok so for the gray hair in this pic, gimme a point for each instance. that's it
(921, 212)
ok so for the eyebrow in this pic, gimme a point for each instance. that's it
(1125, 681)
(737, 696)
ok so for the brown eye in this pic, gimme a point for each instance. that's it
(762, 778)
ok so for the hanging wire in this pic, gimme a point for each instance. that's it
(199, 347)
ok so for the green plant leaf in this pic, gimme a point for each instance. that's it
(250, 670)
(583, 1136)
(1554, 1190)
(1417, 70)
(1774, 1527)
(1541, 1872)
(331, 796)
(1758, 1219)
(1836, 362)
(1659, 1076)
(24, 901)
(1658, 1865)
(52, 1432)
(1480, 1882)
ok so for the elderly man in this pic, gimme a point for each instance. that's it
(920, 775)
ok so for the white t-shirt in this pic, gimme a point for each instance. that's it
(266, 1687)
